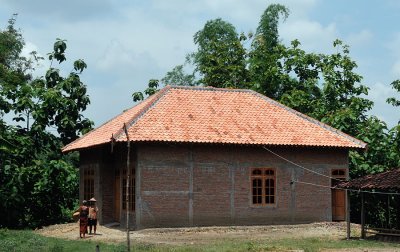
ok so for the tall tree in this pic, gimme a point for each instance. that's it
(266, 71)
(342, 104)
(35, 178)
(220, 58)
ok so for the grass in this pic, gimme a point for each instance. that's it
(25, 240)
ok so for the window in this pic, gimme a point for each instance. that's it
(131, 190)
(339, 173)
(263, 186)
(337, 176)
(88, 183)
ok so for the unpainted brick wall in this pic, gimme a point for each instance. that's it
(199, 185)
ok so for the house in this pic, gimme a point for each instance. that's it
(207, 156)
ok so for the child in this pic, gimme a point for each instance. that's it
(83, 218)
(92, 215)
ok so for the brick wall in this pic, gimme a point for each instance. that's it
(200, 185)
(101, 160)
(183, 185)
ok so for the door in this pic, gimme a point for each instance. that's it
(338, 196)
(117, 198)
(338, 205)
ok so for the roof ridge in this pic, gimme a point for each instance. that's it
(153, 100)
(312, 120)
(211, 88)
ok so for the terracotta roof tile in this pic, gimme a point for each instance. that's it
(212, 115)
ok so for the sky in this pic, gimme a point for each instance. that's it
(128, 42)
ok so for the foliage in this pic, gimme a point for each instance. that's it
(150, 90)
(396, 85)
(265, 66)
(323, 86)
(37, 182)
(220, 56)
(177, 77)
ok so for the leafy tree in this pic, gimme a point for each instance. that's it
(395, 131)
(396, 85)
(37, 183)
(150, 90)
(299, 78)
(62, 100)
(342, 105)
(265, 66)
(267, 30)
(178, 77)
(220, 58)
(381, 153)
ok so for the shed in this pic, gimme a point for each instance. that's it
(385, 185)
(207, 156)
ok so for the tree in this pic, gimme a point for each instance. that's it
(395, 131)
(178, 77)
(151, 89)
(393, 101)
(62, 100)
(266, 70)
(342, 105)
(220, 58)
(35, 177)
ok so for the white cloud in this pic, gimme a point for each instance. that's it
(396, 68)
(313, 36)
(359, 39)
(394, 47)
(122, 60)
(378, 93)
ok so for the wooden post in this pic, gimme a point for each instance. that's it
(128, 174)
(397, 201)
(348, 213)
(362, 216)
(389, 225)
(191, 171)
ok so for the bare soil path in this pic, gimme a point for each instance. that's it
(199, 235)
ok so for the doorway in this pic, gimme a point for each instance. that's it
(338, 196)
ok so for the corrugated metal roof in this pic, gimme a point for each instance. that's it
(213, 115)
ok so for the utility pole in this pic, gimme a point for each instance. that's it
(128, 178)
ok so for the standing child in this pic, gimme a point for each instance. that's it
(83, 218)
(93, 215)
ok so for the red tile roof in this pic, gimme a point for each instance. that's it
(383, 181)
(213, 115)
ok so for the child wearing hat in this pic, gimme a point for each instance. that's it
(92, 215)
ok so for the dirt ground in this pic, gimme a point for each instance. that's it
(203, 235)
(199, 235)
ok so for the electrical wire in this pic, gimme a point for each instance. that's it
(352, 190)
(324, 175)
(293, 163)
